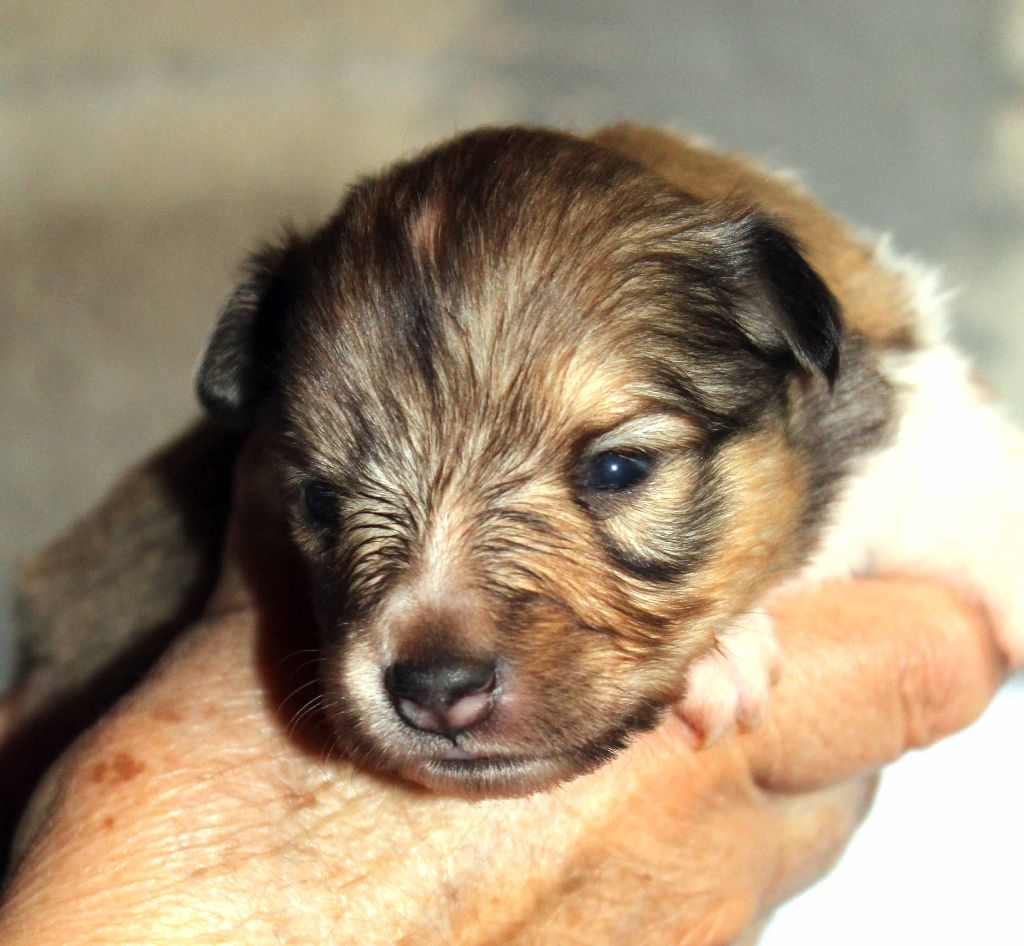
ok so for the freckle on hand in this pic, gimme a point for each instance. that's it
(125, 767)
(167, 714)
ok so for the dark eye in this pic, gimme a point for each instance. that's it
(318, 503)
(611, 471)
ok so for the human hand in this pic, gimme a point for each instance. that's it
(194, 813)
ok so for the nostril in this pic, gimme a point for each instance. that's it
(469, 710)
(443, 694)
(405, 681)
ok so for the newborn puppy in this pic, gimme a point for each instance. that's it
(551, 418)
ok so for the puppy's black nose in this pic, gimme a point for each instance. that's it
(446, 695)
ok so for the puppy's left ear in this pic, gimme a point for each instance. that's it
(786, 309)
(238, 365)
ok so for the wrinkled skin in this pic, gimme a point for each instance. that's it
(200, 810)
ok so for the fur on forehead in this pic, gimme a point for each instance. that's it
(513, 254)
(477, 273)
(510, 233)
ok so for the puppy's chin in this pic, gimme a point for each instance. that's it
(495, 776)
(506, 773)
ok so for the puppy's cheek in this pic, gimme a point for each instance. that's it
(583, 705)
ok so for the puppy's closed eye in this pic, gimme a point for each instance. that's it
(319, 505)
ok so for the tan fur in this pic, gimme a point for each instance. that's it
(762, 538)
(875, 300)
(425, 232)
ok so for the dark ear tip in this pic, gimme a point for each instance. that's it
(223, 377)
(811, 317)
(223, 402)
(233, 372)
(818, 328)
(833, 362)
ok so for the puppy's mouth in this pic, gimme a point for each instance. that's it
(496, 774)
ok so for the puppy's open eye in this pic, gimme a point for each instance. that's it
(318, 504)
(612, 471)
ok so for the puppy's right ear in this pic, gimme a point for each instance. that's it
(237, 367)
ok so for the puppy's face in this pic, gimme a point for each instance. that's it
(530, 412)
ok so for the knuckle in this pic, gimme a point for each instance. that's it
(925, 687)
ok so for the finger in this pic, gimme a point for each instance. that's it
(870, 670)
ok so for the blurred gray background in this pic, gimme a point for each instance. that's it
(145, 146)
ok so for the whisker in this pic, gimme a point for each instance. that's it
(305, 712)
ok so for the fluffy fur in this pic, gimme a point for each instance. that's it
(437, 365)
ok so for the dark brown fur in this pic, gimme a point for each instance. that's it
(443, 356)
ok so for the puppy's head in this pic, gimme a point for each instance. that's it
(530, 411)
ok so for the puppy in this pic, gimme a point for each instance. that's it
(550, 419)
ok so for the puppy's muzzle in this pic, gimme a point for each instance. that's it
(445, 694)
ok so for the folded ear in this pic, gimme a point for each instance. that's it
(237, 366)
(786, 311)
